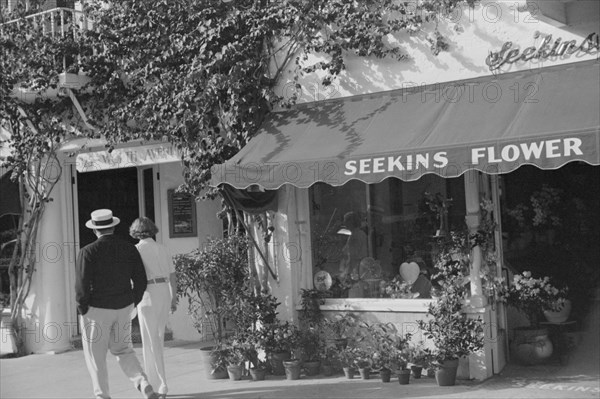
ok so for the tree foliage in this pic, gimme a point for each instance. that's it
(202, 74)
(199, 74)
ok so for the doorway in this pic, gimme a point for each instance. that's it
(115, 189)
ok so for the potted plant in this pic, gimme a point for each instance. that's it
(280, 340)
(329, 358)
(234, 356)
(403, 373)
(386, 345)
(340, 326)
(311, 346)
(250, 345)
(418, 358)
(533, 297)
(348, 356)
(258, 371)
(216, 361)
(310, 301)
(212, 279)
(453, 333)
(363, 361)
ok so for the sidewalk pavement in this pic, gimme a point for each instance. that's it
(65, 376)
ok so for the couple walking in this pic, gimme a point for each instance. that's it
(113, 277)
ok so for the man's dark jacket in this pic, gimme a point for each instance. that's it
(105, 271)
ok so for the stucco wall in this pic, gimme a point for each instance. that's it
(471, 34)
(208, 225)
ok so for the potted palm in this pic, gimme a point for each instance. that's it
(453, 333)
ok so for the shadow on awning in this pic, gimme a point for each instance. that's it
(545, 117)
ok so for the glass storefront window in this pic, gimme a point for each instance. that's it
(378, 240)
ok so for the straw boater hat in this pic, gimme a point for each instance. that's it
(102, 219)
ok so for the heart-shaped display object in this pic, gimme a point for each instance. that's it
(409, 272)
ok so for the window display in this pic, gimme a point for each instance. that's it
(379, 240)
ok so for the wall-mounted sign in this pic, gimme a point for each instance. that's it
(127, 157)
(546, 49)
(182, 215)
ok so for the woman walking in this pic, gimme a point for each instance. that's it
(159, 297)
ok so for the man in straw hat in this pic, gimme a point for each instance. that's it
(106, 298)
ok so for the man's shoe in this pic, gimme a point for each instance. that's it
(148, 391)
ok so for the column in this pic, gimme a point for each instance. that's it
(480, 363)
(48, 329)
(472, 219)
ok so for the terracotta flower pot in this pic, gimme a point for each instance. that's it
(560, 316)
(446, 374)
(403, 376)
(349, 372)
(416, 371)
(258, 374)
(327, 369)
(208, 360)
(365, 373)
(385, 374)
(292, 369)
(312, 368)
(235, 372)
(276, 360)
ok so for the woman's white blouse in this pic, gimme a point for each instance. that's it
(156, 258)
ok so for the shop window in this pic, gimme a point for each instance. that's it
(378, 240)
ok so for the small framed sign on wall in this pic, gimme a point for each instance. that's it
(182, 215)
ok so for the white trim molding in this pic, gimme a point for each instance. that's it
(377, 305)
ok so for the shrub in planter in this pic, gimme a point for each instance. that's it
(211, 279)
(311, 345)
(279, 340)
(453, 333)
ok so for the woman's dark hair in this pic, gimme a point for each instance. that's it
(142, 228)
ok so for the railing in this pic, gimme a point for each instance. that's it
(55, 22)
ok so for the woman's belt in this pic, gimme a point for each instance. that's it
(158, 280)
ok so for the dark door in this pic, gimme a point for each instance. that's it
(116, 190)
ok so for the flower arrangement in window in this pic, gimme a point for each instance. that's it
(398, 288)
(341, 284)
(545, 203)
(534, 295)
(439, 206)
